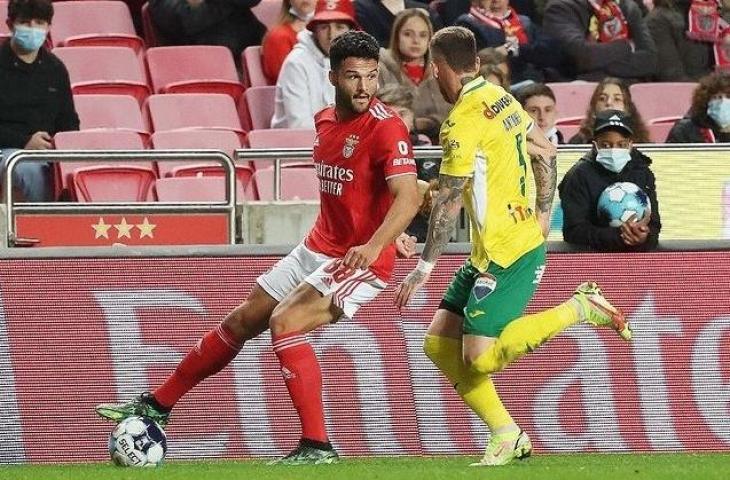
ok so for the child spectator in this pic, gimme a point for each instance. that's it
(709, 117)
(280, 40)
(538, 100)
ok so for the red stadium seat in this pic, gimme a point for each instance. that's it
(572, 98)
(94, 140)
(223, 140)
(256, 107)
(106, 70)
(568, 131)
(211, 111)
(127, 183)
(4, 30)
(253, 69)
(195, 189)
(658, 132)
(118, 112)
(280, 138)
(298, 182)
(662, 99)
(94, 22)
(193, 69)
(243, 173)
(268, 12)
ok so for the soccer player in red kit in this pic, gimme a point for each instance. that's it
(368, 195)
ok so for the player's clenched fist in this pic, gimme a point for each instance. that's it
(361, 256)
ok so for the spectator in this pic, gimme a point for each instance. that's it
(679, 58)
(377, 16)
(280, 40)
(35, 96)
(303, 87)
(492, 73)
(229, 23)
(498, 58)
(709, 117)
(400, 99)
(407, 62)
(538, 100)
(611, 94)
(448, 11)
(612, 159)
(602, 37)
(532, 55)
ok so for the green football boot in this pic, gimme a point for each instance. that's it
(599, 312)
(144, 405)
(502, 449)
(308, 454)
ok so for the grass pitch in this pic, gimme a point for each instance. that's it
(540, 467)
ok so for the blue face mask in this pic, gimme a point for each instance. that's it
(613, 159)
(29, 39)
(718, 109)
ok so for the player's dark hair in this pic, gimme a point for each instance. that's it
(30, 10)
(457, 46)
(356, 44)
(534, 90)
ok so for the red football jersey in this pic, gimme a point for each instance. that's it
(354, 159)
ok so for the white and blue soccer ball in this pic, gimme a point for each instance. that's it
(138, 442)
(619, 201)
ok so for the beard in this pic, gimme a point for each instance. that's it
(348, 102)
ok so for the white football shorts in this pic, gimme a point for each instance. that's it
(350, 289)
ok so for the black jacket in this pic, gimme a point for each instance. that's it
(690, 130)
(568, 20)
(34, 97)
(579, 192)
(377, 20)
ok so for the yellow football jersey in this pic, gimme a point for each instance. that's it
(485, 138)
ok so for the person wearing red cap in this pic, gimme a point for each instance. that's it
(302, 88)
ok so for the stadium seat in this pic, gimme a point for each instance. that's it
(152, 37)
(256, 107)
(279, 138)
(107, 183)
(4, 30)
(253, 70)
(106, 70)
(223, 140)
(572, 98)
(118, 112)
(94, 140)
(94, 22)
(212, 111)
(268, 11)
(662, 99)
(568, 131)
(658, 132)
(193, 69)
(298, 182)
(194, 189)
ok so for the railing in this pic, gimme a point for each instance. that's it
(116, 156)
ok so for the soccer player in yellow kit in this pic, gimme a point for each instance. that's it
(479, 327)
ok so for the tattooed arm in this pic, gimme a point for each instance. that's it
(446, 208)
(544, 167)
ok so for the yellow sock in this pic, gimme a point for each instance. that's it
(477, 390)
(525, 335)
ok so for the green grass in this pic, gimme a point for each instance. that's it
(542, 467)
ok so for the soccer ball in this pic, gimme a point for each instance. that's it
(137, 442)
(619, 201)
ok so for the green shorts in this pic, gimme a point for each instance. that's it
(490, 301)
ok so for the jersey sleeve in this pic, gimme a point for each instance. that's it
(394, 149)
(459, 141)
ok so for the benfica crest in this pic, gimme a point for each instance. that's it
(350, 143)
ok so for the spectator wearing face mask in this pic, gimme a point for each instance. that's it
(708, 120)
(35, 96)
(612, 159)
(280, 40)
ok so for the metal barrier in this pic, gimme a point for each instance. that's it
(133, 156)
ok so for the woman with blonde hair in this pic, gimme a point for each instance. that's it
(407, 62)
(611, 94)
(280, 40)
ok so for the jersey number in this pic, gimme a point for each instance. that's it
(521, 160)
(403, 147)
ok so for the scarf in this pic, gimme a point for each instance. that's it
(612, 24)
(510, 23)
(706, 25)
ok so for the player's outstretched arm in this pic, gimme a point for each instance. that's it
(446, 208)
(544, 167)
(405, 205)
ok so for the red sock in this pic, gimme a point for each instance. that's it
(303, 379)
(213, 352)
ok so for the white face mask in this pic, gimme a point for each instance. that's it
(718, 109)
(613, 159)
(305, 17)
